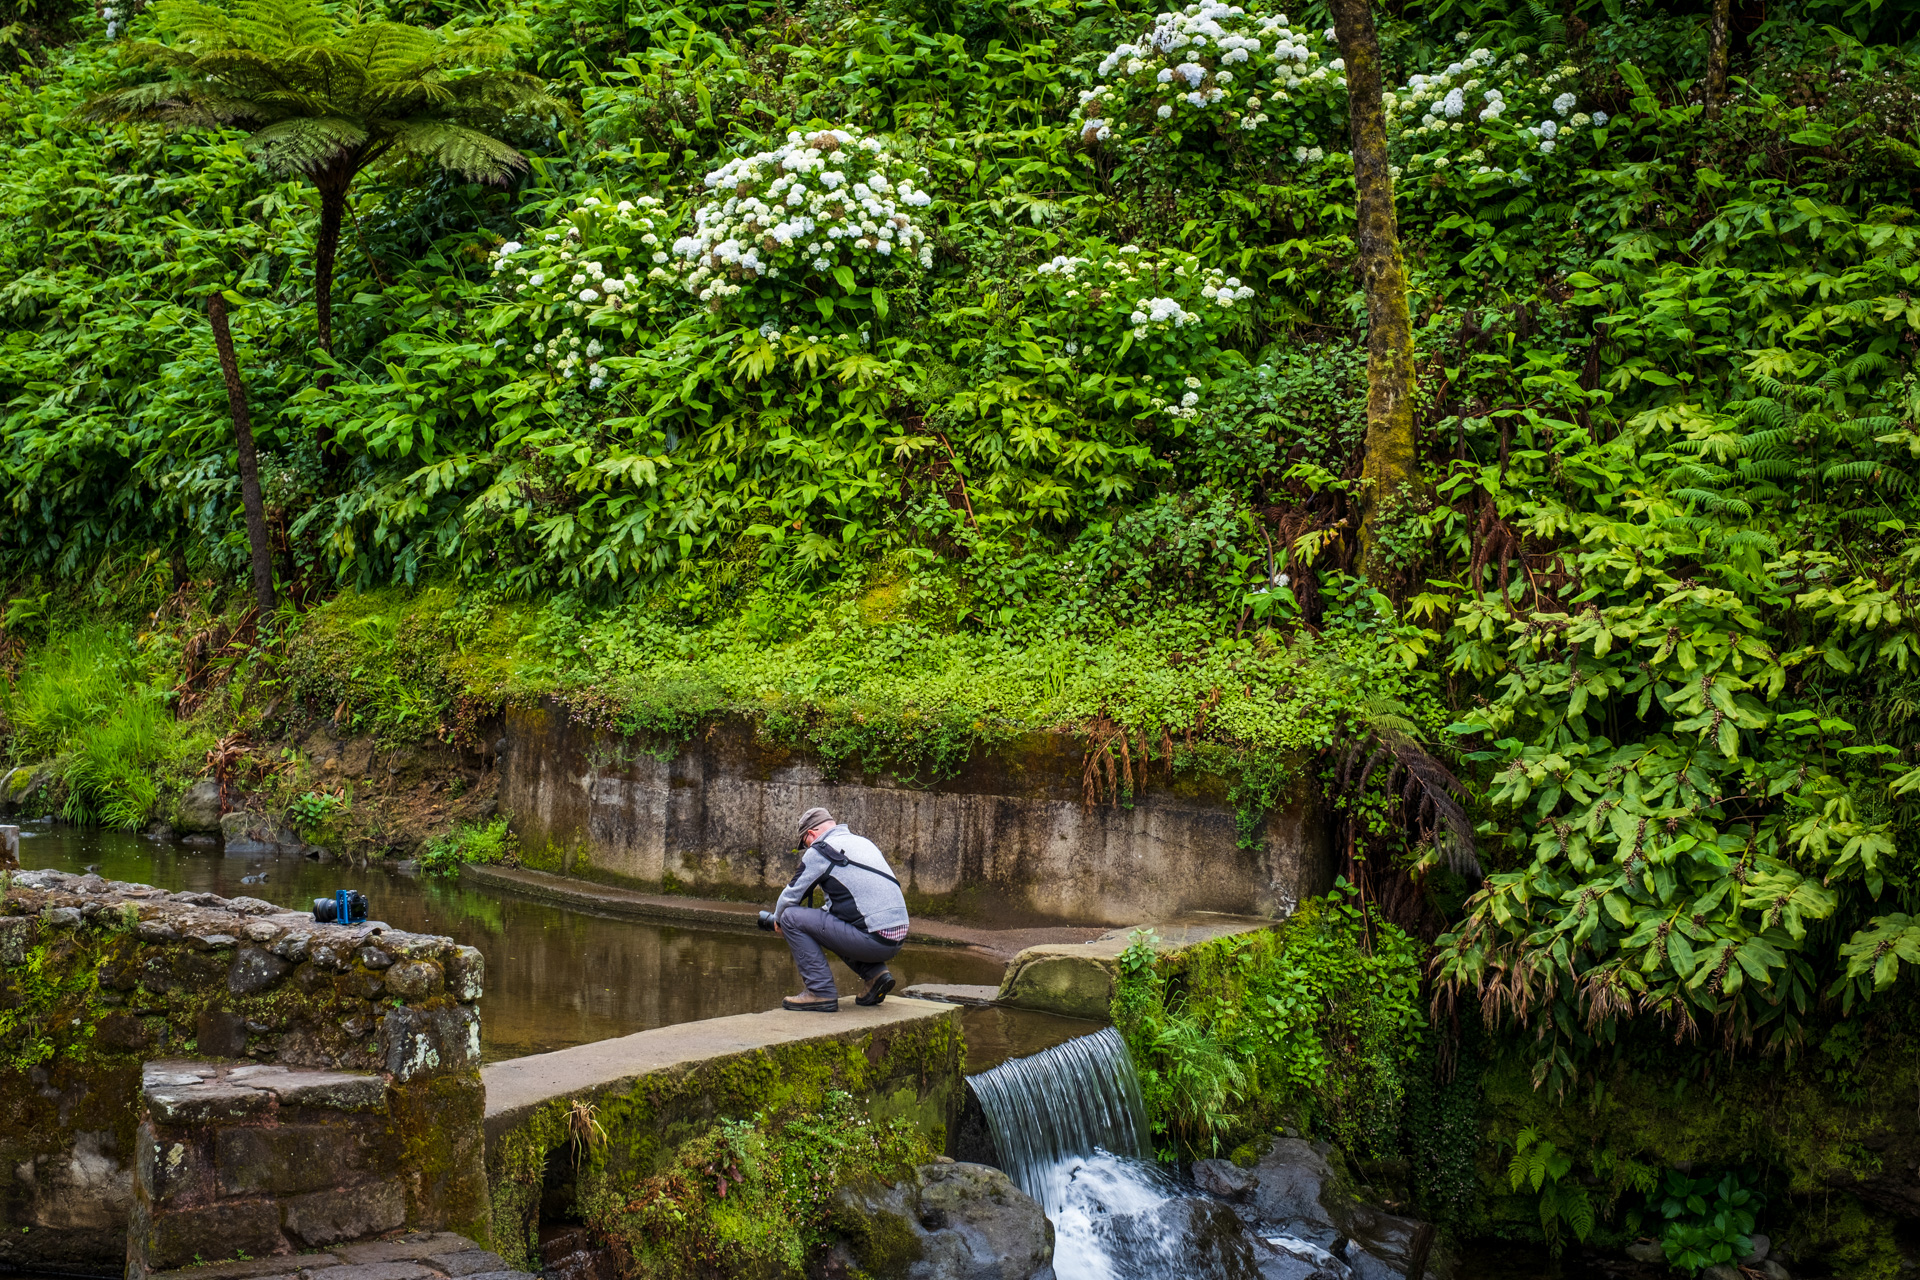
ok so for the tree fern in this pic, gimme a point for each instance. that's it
(326, 94)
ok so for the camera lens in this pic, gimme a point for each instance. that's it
(767, 921)
(325, 911)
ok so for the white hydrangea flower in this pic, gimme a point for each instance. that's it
(1563, 104)
(1599, 119)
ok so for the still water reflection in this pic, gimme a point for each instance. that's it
(555, 976)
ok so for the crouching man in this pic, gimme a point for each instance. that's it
(864, 922)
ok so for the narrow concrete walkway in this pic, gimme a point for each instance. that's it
(715, 913)
(519, 1086)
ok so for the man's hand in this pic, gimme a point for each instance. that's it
(778, 932)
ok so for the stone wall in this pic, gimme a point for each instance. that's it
(1010, 839)
(99, 977)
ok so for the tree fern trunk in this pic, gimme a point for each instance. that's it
(333, 209)
(1390, 458)
(249, 463)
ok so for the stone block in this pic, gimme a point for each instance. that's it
(415, 1247)
(255, 970)
(290, 1158)
(466, 973)
(256, 1268)
(414, 980)
(325, 1217)
(374, 1271)
(222, 1230)
(332, 1090)
(16, 936)
(211, 1102)
(417, 1042)
(468, 1262)
(221, 1034)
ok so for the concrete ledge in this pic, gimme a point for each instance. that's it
(1078, 979)
(518, 1086)
(566, 1127)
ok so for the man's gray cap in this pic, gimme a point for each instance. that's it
(813, 818)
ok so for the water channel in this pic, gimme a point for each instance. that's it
(559, 976)
(556, 976)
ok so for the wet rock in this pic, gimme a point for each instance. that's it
(948, 1222)
(1188, 1236)
(571, 1254)
(466, 972)
(1773, 1270)
(1223, 1178)
(15, 933)
(1301, 1193)
(244, 833)
(255, 971)
(1721, 1271)
(373, 957)
(63, 917)
(221, 1034)
(428, 1041)
(1758, 1252)
(199, 810)
(1291, 1258)
(1646, 1251)
(414, 979)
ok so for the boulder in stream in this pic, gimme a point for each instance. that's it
(198, 810)
(1301, 1192)
(950, 1221)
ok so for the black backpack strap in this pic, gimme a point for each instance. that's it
(838, 859)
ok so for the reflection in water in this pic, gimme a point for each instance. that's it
(555, 977)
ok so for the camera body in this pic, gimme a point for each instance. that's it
(767, 921)
(346, 906)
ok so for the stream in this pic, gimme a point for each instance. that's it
(556, 976)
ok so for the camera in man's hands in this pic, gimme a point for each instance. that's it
(767, 921)
(346, 906)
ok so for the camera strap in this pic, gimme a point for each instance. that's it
(839, 859)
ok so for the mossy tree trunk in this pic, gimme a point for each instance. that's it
(1717, 41)
(249, 462)
(1391, 464)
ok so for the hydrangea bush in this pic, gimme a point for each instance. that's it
(826, 213)
(587, 270)
(1222, 66)
(1493, 119)
(1161, 316)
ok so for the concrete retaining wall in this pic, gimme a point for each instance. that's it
(99, 977)
(1010, 839)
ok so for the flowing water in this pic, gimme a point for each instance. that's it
(556, 977)
(1071, 1131)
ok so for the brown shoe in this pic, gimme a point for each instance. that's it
(807, 1002)
(876, 990)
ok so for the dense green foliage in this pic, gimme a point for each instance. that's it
(1314, 1025)
(1083, 451)
(756, 1197)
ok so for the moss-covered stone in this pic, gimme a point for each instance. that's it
(579, 1152)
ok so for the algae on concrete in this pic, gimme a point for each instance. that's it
(1078, 979)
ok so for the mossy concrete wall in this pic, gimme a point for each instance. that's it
(572, 1131)
(1010, 838)
(99, 977)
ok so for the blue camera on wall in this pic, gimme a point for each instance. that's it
(346, 906)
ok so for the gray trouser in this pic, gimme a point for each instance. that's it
(811, 932)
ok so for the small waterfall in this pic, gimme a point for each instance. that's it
(1071, 1131)
(1080, 1098)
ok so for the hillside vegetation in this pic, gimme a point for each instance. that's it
(907, 374)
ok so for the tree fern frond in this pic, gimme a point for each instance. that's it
(467, 152)
(306, 143)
